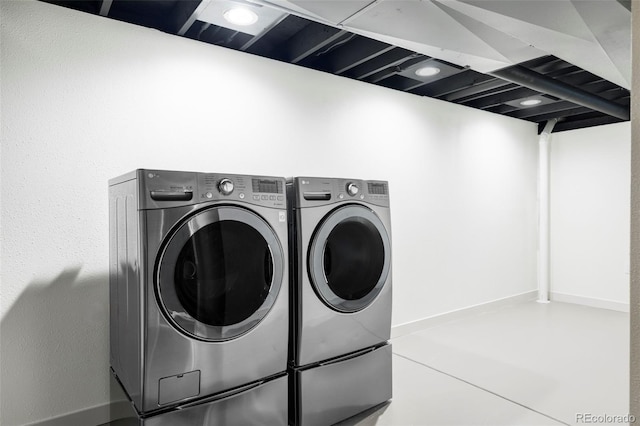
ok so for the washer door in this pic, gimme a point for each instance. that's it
(220, 273)
(349, 258)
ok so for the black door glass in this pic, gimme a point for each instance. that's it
(353, 258)
(223, 273)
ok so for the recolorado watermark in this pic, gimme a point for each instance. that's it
(589, 418)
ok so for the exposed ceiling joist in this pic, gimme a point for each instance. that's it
(312, 39)
(361, 50)
(286, 33)
(556, 108)
(476, 90)
(105, 7)
(501, 98)
(186, 14)
(393, 69)
(466, 78)
(393, 58)
(381, 75)
(408, 85)
(259, 36)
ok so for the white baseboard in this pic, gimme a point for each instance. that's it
(98, 415)
(411, 327)
(590, 301)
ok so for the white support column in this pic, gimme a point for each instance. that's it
(543, 212)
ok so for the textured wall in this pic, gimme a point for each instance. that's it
(85, 99)
(635, 215)
(590, 213)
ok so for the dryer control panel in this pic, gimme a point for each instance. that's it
(314, 191)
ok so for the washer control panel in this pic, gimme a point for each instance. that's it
(260, 190)
(171, 189)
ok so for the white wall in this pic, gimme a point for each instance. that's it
(590, 178)
(85, 99)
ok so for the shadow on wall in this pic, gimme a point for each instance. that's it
(55, 348)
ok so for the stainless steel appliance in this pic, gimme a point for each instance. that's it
(199, 295)
(257, 405)
(341, 298)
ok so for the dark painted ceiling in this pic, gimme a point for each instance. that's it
(576, 97)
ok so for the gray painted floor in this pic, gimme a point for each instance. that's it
(528, 364)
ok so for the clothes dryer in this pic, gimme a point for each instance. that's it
(199, 293)
(341, 297)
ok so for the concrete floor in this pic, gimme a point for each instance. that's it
(527, 364)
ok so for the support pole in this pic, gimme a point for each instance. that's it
(543, 212)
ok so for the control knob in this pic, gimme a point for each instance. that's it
(225, 186)
(352, 189)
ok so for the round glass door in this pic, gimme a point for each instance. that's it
(220, 273)
(349, 258)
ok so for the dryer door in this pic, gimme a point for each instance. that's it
(349, 258)
(219, 273)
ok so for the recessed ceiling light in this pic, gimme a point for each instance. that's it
(530, 102)
(241, 16)
(427, 71)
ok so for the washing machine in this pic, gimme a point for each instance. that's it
(198, 285)
(340, 245)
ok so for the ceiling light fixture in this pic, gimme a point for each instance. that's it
(427, 71)
(241, 16)
(530, 102)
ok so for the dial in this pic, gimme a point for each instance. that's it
(225, 186)
(352, 189)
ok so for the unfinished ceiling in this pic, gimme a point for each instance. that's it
(529, 59)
